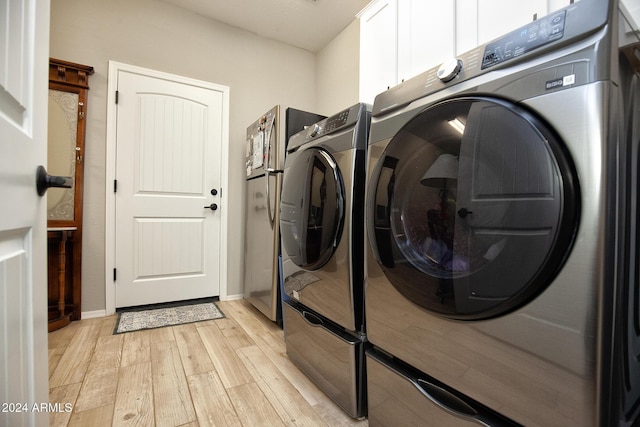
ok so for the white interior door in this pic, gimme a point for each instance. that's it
(24, 51)
(168, 150)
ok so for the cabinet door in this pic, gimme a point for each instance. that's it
(632, 11)
(484, 20)
(466, 25)
(498, 17)
(378, 49)
(553, 5)
(425, 35)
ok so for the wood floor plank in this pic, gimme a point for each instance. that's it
(171, 397)
(231, 370)
(233, 332)
(96, 417)
(253, 407)
(283, 396)
(336, 417)
(244, 315)
(65, 396)
(195, 358)
(60, 339)
(73, 364)
(108, 325)
(134, 397)
(212, 404)
(100, 384)
(53, 360)
(136, 348)
(312, 394)
(161, 334)
(245, 306)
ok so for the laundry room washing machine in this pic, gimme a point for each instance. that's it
(502, 240)
(322, 232)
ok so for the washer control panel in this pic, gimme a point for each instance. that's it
(330, 124)
(340, 121)
(538, 33)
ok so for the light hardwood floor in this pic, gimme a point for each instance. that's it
(226, 372)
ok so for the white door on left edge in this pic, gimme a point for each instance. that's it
(24, 58)
(169, 139)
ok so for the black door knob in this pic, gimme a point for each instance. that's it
(44, 181)
(214, 192)
(212, 206)
(463, 212)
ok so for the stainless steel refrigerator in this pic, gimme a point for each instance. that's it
(265, 151)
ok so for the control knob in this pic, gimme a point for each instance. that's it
(449, 69)
(314, 130)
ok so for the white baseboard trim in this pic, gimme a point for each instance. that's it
(93, 314)
(232, 297)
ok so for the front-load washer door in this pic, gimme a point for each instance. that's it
(472, 208)
(312, 209)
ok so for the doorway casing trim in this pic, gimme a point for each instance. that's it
(110, 218)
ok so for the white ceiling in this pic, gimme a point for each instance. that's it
(308, 24)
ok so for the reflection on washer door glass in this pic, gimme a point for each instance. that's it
(311, 209)
(324, 210)
(433, 248)
(317, 206)
(467, 207)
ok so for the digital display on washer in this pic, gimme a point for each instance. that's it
(538, 33)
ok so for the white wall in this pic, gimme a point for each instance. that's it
(148, 33)
(338, 71)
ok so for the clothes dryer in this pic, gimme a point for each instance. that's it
(502, 232)
(322, 232)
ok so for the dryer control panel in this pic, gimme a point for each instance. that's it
(524, 39)
(559, 28)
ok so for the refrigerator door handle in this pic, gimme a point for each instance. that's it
(270, 172)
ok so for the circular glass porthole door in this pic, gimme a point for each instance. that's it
(472, 208)
(311, 209)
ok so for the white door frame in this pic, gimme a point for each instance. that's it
(110, 231)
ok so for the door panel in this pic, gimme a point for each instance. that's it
(169, 137)
(23, 267)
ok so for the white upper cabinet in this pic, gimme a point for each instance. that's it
(378, 48)
(425, 35)
(632, 12)
(480, 21)
(400, 39)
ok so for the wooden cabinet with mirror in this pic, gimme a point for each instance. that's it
(68, 89)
